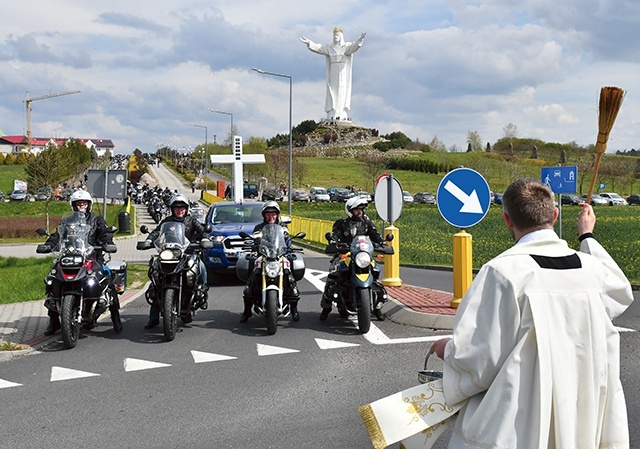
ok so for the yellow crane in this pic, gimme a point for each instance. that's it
(28, 101)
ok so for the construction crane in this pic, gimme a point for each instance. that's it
(28, 101)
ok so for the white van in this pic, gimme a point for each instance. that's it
(318, 194)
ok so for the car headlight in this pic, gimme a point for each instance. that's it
(272, 269)
(362, 260)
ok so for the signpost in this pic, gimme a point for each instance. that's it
(388, 200)
(107, 184)
(463, 199)
(560, 180)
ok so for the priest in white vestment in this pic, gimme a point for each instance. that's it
(534, 355)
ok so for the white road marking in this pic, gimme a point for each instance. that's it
(59, 373)
(138, 365)
(7, 384)
(316, 278)
(264, 350)
(203, 357)
(332, 344)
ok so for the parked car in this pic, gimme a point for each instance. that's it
(406, 197)
(250, 190)
(571, 200)
(613, 199)
(318, 194)
(339, 194)
(299, 195)
(633, 199)
(20, 195)
(227, 219)
(271, 195)
(365, 195)
(43, 194)
(497, 198)
(424, 198)
(596, 200)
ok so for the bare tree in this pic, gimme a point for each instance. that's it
(48, 170)
(474, 141)
(510, 131)
(374, 163)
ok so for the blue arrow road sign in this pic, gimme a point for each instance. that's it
(560, 179)
(463, 197)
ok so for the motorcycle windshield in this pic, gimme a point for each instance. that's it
(272, 243)
(361, 243)
(171, 236)
(74, 235)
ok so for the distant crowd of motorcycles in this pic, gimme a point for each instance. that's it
(157, 201)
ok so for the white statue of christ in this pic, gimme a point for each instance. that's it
(339, 57)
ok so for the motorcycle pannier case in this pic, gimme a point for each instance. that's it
(119, 270)
(244, 266)
(297, 266)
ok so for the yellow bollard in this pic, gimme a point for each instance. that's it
(462, 266)
(392, 261)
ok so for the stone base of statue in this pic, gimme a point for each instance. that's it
(339, 123)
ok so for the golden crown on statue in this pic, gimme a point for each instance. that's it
(337, 30)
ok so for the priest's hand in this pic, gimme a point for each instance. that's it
(438, 347)
(586, 219)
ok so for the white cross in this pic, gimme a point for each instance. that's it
(237, 159)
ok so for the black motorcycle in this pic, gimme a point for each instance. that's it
(174, 272)
(358, 291)
(79, 288)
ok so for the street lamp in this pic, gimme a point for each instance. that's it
(262, 72)
(231, 132)
(206, 165)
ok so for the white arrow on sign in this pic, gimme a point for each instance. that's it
(470, 203)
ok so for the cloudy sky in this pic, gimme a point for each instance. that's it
(147, 70)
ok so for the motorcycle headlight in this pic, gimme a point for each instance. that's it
(69, 261)
(362, 260)
(169, 254)
(218, 239)
(272, 269)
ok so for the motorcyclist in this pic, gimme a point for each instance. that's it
(344, 230)
(194, 231)
(270, 215)
(81, 201)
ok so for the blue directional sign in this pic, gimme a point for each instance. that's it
(560, 179)
(463, 197)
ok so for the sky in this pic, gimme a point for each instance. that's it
(148, 71)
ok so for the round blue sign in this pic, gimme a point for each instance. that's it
(463, 197)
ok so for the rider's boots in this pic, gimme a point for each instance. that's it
(115, 318)
(248, 303)
(54, 323)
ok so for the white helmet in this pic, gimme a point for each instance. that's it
(270, 206)
(355, 202)
(80, 195)
(179, 199)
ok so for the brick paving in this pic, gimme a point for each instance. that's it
(422, 299)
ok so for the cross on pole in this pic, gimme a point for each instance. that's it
(237, 159)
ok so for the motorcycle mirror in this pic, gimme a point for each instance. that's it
(244, 235)
(43, 249)
(144, 229)
(207, 227)
(112, 229)
(300, 235)
(110, 248)
(328, 236)
(41, 232)
(285, 219)
(389, 237)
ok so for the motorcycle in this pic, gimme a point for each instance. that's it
(358, 291)
(78, 288)
(271, 259)
(174, 272)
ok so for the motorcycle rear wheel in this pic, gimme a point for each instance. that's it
(364, 309)
(69, 321)
(170, 315)
(271, 311)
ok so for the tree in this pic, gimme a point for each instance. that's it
(277, 166)
(9, 159)
(437, 145)
(48, 170)
(510, 131)
(300, 171)
(374, 163)
(474, 141)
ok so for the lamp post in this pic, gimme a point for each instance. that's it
(231, 129)
(263, 72)
(206, 164)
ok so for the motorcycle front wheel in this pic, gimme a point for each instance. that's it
(69, 321)
(169, 315)
(271, 311)
(364, 309)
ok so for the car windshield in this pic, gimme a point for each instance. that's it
(236, 213)
(321, 192)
